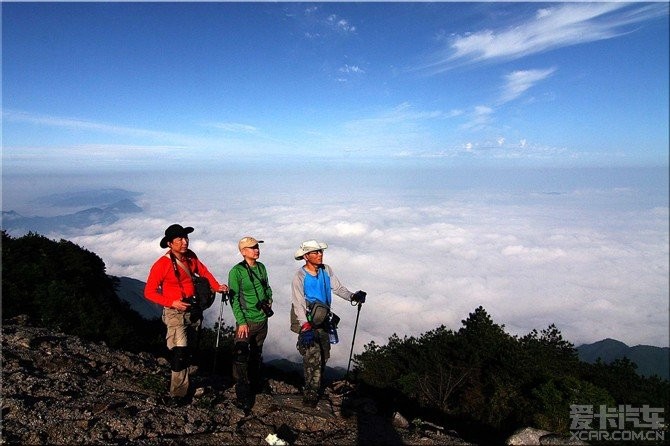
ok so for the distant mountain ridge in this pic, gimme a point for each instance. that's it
(16, 223)
(650, 360)
(87, 198)
(132, 291)
(102, 207)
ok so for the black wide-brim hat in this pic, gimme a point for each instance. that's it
(174, 231)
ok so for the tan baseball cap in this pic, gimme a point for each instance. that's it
(248, 242)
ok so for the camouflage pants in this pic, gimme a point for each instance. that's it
(181, 333)
(314, 360)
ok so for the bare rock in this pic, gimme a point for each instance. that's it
(561, 440)
(527, 436)
(400, 421)
(60, 390)
(531, 436)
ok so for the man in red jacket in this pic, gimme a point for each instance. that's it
(170, 284)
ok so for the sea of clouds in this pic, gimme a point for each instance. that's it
(584, 250)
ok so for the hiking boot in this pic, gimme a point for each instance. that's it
(243, 397)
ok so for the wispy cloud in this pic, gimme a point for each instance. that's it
(90, 157)
(551, 28)
(499, 149)
(351, 69)
(402, 113)
(103, 141)
(234, 127)
(81, 124)
(517, 82)
(521, 149)
(401, 132)
(514, 85)
(391, 130)
(382, 133)
(321, 24)
(479, 118)
(340, 24)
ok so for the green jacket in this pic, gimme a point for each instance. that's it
(248, 286)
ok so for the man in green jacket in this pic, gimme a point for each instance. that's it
(251, 300)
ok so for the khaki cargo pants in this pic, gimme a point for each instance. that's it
(181, 332)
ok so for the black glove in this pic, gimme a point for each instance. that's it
(359, 297)
(306, 335)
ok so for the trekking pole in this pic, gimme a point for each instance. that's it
(224, 300)
(358, 313)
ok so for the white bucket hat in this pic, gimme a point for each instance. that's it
(309, 246)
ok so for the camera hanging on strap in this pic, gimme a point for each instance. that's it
(264, 304)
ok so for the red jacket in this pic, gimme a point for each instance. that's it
(162, 285)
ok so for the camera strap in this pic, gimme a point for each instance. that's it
(263, 281)
(176, 271)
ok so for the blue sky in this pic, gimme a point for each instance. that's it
(120, 85)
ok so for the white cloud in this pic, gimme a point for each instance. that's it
(320, 25)
(141, 146)
(395, 130)
(340, 24)
(82, 124)
(148, 142)
(480, 118)
(517, 82)
(402, 113)
(351, 69)
(426, 255)
(551, 28)
(92, 153)
(533, 255)
(234, 127)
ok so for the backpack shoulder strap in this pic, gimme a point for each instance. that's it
(176, 270)
(176, 262)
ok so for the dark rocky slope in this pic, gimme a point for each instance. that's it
(58, 389)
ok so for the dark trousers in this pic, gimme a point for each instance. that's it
(248, 358)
